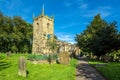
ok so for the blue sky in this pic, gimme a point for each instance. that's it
(71, 16)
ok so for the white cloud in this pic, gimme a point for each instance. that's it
(13, 4)
(66, 37)
(16, 8)
(69, 25)
(83, 6)
(104, 11)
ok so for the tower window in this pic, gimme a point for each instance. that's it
(48, 25)
(44, 34)
(37, 23)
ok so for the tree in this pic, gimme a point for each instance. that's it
(52, 44)
(99, 38)
(15, 34)
(55, 37)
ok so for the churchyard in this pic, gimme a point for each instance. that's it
(53, 58)
(37, 67)
(12, 67)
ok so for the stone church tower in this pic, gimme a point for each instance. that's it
(43, 30)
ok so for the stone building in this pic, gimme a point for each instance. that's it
(43, 30)
(68, 47)
(64, 46)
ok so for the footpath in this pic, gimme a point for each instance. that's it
(86, 72)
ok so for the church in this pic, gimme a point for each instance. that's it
(43, 33)
(43, 30)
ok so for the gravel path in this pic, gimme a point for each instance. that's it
(86, 72)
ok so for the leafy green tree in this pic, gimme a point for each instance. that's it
(99, 38)
(15, 34)
(52, 44)
(14, 49)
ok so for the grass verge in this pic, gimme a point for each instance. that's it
(111, 70)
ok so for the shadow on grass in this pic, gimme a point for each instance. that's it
(4, 65)
(2, 57)
(27, 72)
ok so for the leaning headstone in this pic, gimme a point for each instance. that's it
(64, 58)
(22, 66)
(8, 54)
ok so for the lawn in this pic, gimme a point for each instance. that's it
(9, 70)
(111, 70)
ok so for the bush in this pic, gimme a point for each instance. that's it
(31, 57)
(115, 55)
(54, 56)
(41, 57)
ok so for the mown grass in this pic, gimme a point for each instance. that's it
(111, 70)
(9, 69)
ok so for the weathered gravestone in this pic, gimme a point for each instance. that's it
(101, 65)
(105, 58)
(64, 58)
(22, 66)
(8, 54)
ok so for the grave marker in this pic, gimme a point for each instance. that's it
(22, 66)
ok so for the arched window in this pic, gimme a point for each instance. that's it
(48, 25)
(37, 24)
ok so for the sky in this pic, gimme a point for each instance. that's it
(71, 16)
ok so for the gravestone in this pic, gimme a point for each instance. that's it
(105, 58)
(8, 54)
(22, 66)
(64, 58)
(101, 65)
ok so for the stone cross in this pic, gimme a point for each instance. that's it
(22, 66)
